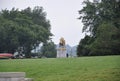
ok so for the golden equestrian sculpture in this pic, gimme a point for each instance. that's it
(62, 42)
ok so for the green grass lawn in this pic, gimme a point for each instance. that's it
(102, 68)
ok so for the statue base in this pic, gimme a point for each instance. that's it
(61, 52)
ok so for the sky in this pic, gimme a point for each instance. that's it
(62, 14)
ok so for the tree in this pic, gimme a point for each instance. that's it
(95, 13)
(101, 19)
(24, 29)
(106, 42)
(49, 50)
(8, 37)
(82, 48)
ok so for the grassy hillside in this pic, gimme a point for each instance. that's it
(103, 68)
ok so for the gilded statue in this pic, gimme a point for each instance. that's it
(62, 42)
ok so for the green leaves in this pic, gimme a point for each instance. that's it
(26, 29)
(101, 20)
(48, 50)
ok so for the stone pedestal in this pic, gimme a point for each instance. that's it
(61, 52)
(13, 76)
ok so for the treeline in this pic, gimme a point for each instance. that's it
(23, 30)
(101, 19)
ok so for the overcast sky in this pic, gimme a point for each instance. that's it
(62, 14)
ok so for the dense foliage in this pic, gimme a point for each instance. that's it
(48, 50)
(101, 18)
(23, 30)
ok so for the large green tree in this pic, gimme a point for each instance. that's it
(101, 18)
(24, 29)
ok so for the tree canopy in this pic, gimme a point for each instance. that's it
(101, 18)
(23, 29)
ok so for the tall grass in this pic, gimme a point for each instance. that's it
(102, 68)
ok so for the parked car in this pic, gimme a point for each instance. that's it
(6, 55)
